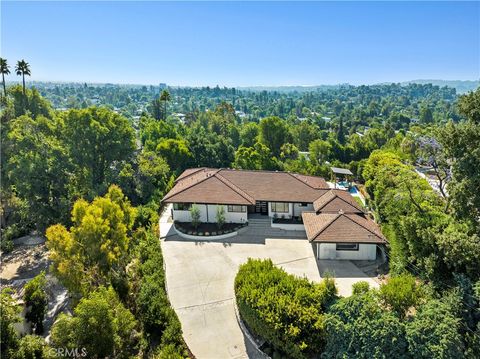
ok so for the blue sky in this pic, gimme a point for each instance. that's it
(243, 43)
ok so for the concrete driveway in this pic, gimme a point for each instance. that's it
(200, 277)
(346, 273)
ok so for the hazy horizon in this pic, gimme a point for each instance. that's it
(233, 44)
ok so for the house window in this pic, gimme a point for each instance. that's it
(182, 206)
(303, 204)
(280, 207)
(234, 208)
(347, 246)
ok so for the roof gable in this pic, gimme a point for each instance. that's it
(211, 188)
(340, 227)
(334, 201)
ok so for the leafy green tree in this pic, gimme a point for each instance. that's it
(9, 315)
(176, 153)
(400, 294)
(426, 115)
(36, 301)
(195, 215)
(303, 134)
(341, 132)
(247, 158)
(249, 134)
(152, 132)
(220, 216)
(165, 98)
(209, 149)
(153, 176)
(5, 70)
(100, 324)
(39, 168)
(95, 249)
(35, 105)
(469, 106)
(434, 332)
(23, 68)
(33, 347)
(156, 109)
(320, 151)
(461, 147)
(274, 132)
(288, 152)
(99, 142)
(358, 327)
(414, 219)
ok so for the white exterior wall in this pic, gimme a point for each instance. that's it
(230, 217)
(289, 227)
(280, 214)
(297, 210)
(328, 251)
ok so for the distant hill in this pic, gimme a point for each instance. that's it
(460, 86)
(292, 88)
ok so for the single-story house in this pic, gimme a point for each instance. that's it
(334, 222)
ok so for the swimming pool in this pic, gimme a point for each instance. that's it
(346, 184)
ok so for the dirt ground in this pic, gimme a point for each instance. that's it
(25, 261)
(28, 259)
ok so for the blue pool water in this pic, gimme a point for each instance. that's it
(345, 184)
(353, 190)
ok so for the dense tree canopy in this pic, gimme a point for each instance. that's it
(108, 154)
(94, 249)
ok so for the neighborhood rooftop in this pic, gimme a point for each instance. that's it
(245, 187)
(331, 218)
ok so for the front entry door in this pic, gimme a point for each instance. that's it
(261, 207)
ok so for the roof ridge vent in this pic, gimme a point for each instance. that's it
(340, 211)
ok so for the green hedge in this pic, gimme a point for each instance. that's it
(284, 310)
(157, 315)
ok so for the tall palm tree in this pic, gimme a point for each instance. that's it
(165, 97)
(22, 69)
(4, 68)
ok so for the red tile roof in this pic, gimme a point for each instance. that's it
(244, 187)
(341, 227)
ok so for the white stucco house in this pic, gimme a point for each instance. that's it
(332, 220)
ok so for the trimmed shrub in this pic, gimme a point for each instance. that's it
(195, 215)
(154, 310)
(400, 293)
(360, 287)
(284, 310)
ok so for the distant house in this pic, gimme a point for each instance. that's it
(305, 154)
(333, 221)
(240, 114)
(180, 116)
